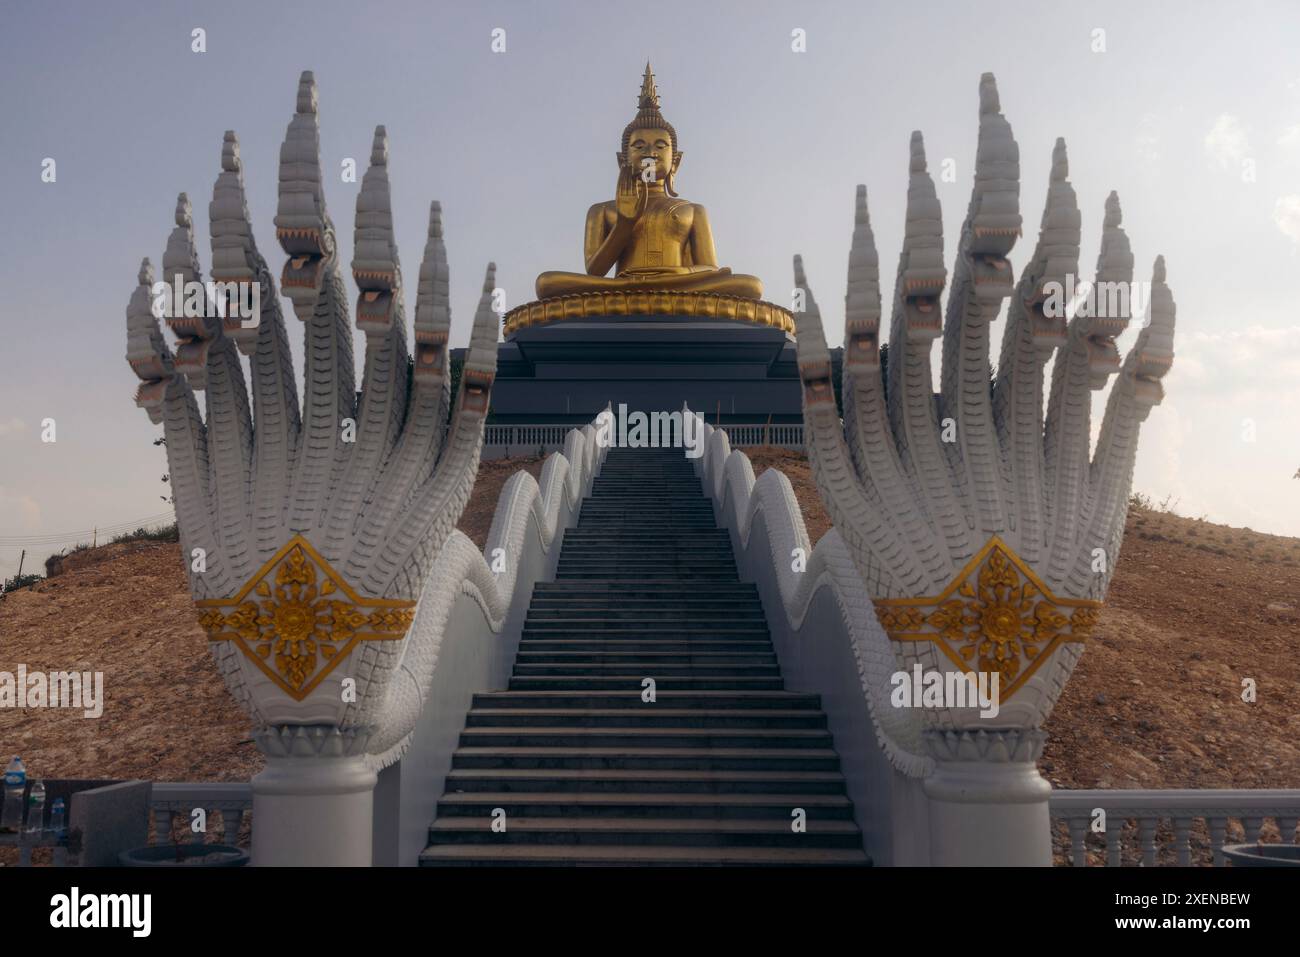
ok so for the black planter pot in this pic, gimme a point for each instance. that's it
(1263, 855)
(190, 855)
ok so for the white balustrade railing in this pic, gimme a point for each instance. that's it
(789, 436)
(500, 441)
(172, 799)
(1157, 823)
(547, 437)
(1157, 819)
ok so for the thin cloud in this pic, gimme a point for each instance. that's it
(18, 512)
(1286, 215)
(1227, 143)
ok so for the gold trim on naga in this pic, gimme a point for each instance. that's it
(703, 305)
(996, 615)
(295, 630)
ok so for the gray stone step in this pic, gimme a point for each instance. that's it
(717, 832)
(553, 737)
(633, 627)
(819, 807)
(642, 781)
(736, 611)
(664, 682)
(613, 658)
(719, 719)
(630, 589)
(647, 759)
(659, 670)
(674, 645)
(525, 855)
(647, 637)
(756, 700)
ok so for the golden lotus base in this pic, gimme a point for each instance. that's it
(995, 616)
(296, 618)
(703, 305)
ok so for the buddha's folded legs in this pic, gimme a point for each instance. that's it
(721, 281)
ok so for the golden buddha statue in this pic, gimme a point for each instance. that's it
(654, 239)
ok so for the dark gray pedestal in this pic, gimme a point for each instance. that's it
(566, 372)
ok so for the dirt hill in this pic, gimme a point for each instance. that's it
(1194, 609)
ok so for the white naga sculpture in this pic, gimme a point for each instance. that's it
(984, 534)
(310, 533)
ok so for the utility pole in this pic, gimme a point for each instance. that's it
(20, 562)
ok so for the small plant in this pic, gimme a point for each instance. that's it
(19, 581)
(167, 533)
(166, 478)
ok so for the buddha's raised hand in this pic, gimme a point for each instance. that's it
(631, 194)
(985, 536)
(309, 533)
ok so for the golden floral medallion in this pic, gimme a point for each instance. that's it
(296, 618)
(995, 616)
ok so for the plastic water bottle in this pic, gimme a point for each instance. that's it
(11, 817)
(58, 818)
(36, 808)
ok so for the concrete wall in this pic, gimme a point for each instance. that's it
(828, 643)
(816, 656)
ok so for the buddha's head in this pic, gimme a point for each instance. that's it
(650, 137)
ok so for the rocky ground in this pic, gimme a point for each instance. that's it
(1194, 610)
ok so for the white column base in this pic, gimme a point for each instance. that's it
(986, 810)
(314, 811)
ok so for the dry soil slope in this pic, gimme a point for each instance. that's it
(1156, 702)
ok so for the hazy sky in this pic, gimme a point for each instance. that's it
(1191, 112)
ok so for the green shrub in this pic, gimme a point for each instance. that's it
(20, 581)
(167, 533)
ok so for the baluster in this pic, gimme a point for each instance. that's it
(1147, 840)
(232, 817)
(1286, 827)
(1252, 826)
(1078, 831)
(1113, 842)
(1183, 840)
(1218, 831)
(162, 825)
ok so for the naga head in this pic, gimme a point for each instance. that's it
(921, 272)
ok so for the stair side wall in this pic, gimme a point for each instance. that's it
(816, 656)
(476, 652)
(828, 643)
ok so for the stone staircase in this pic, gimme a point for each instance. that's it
(585, 770)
